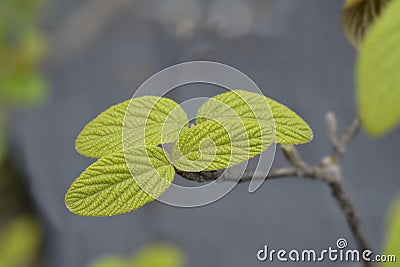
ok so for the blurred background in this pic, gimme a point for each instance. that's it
(62, 62)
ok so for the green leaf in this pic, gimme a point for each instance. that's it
(290, 128)
(117, 184)
(153, 120)
(378, 73)
(238, 105)
(158, 255)
(358, 16)
(213, 145)
(103, 135)
(392, 245)
(20, 242)
(149, 120)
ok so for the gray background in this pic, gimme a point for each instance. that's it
(294, 50)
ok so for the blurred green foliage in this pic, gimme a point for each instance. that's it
(112, 262)
(2, 138)
(19, 242)
(155, 255)
(378, 73)
(392, 245)
(22, 47)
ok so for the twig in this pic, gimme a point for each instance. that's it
(293, 156)
(229, 176)
(284, 172)
(200, 176)
(340, 145)
(331, 124)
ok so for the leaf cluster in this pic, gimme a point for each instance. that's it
(132, 169)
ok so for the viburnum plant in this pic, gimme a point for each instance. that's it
(132, 169)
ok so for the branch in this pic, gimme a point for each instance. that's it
(284, 172)
(229, 176)
(352, 218)
(328, 171)
(293, 156)
(340, 145)
(200, 176)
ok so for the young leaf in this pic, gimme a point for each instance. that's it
(290, 128)
(117, 184)
(239, 105)
(392, 245)
(152, 121)
(213, 145)
(103, 135)
(147, 120)
(378, 73)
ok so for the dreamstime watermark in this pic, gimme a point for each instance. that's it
(339, 253)
(196, 72)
